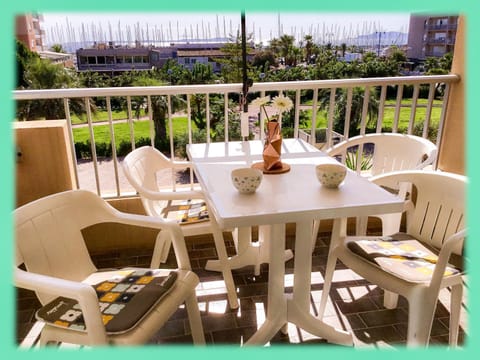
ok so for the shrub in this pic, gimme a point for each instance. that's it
(83, 150)
(432, 132)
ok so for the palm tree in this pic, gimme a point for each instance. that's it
(343, 47)
(57, 48)
(340, 110)
(309, 45)
(159, 110)
(42, 74)
(286, 46)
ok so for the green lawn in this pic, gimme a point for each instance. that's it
(122, 131)
(142, 128)
(389, 113)
(102, 116)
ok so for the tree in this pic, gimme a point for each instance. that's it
(57, 48)
(42, 74)
(159, 109)
(309, 48)
(286, 47)
(397, 55)
(23, 57)
(172, 73)
(264, 59)
(340, 110)
(343, 47)
(438, 66)
(201, 74)
(232, 63)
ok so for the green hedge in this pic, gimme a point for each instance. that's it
(83, 150)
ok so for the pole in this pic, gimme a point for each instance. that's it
(379, 42)
(244, 130)
(244, 63)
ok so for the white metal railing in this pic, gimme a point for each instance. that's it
(293, 89)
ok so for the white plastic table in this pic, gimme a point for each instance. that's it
(293, 197)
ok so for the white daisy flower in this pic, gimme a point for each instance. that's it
(261, 101)
(282, 103)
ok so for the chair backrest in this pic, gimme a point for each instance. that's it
(391, 152)
(140, 167)
(48, 233)
(439, 204)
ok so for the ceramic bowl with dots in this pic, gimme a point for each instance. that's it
(246, 180)
(331, 175)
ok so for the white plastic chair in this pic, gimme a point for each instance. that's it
(141, 167)
(435, 218)
(50, 245)
(391, 152)
(374, 154)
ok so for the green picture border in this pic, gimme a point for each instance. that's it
(469, 8)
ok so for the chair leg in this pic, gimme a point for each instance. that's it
(455, 309)
(194, 319)
(361, 224)
(420, 318)
(161, 249)
(316, 227)
(390, 299)
(47, 338)
(390, 223)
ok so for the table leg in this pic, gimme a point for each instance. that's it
(276, 304)
(223, 261)
(299, 305)
(339, 230)
(248, 252)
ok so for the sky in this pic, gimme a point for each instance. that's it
(262, 26)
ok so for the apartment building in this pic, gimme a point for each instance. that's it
(110, 58)
(431, 35)
(28, 30)
(114, 58)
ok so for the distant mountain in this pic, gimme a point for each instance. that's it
(385, 38)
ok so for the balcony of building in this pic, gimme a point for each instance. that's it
(47, 162)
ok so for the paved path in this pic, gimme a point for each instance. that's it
(106, 168)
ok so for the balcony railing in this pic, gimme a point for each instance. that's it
(443, 40)
(306, 95)
(441, 27)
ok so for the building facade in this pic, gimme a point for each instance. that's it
(110, 58)
(431, 36)
(29, 31)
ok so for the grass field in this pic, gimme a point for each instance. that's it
(389, 114)
(142, 128)
(99, 116)
(122, 131)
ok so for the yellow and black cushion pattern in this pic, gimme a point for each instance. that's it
(401, 255)
(187, 212)
(124, 300)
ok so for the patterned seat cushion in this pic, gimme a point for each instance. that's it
(401, 255)
(124, 300)
(187, 212)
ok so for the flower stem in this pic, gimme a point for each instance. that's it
(265, 111)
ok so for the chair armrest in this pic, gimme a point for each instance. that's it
(172, 195)
(107, 213)
(168, 225)
(446, 250)
(84, 294)
(180, 164)
(428, 161)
